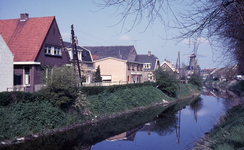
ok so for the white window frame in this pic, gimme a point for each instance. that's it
(51, 50)
(48, 49)
(147, 65)
(26, 77)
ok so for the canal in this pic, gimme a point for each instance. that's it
(177, 126)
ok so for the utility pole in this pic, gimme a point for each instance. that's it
(74, 51)
(177, 65)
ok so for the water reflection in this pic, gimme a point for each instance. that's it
(159, 125)
(196, 106)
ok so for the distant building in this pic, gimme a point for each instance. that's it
(6, 69)
(150, 64)
(167, 66)
(85, 61)
(118, 64)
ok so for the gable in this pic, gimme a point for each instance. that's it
(147, 59)
(25, 38)
(86, 55)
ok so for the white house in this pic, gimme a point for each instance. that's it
(6, 66)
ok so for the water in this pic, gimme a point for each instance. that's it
(174, 127)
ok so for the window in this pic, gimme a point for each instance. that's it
(51, 50)
(57, 51)
(47, 49)
(147, 65)
(79, 55)
(133, 66)
(164, 67)
(149, 76)
(27, 75)
(128, 65)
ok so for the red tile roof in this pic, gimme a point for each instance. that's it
(25, 38)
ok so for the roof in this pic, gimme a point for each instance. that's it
(171, 66)
(147, 59)
(25, 38)
(86, 55)
(121, 52)
(117, 59)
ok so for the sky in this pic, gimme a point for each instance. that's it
(96, 27)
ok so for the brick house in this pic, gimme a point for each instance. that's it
(36, 43)
(85, 61)
(150, 64)
(167, 66)
(118, 64)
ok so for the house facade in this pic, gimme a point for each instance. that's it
(85, 61)
(167, 66)
(150, 64)
(118, 64)
(36, 43)
(6, 69)
(119, 71)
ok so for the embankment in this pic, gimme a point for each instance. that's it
(26, 116)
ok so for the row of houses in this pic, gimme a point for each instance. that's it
(29, 45)
(225, 73)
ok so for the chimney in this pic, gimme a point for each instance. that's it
(24, 17)
(149, 53)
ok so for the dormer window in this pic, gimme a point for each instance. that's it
(51, 50)
(147, 65)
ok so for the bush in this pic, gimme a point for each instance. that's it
(7, 98)
(61, 86)
(94, 90)
(195, 80)
(166, 82)
(26, 118)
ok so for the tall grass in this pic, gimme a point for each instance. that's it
(106, 103)
(228, 134)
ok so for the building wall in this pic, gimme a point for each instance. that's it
(115, 68)
(145, 76)
(166, 67)
(118, 70)
(53, 38)
(6, 69)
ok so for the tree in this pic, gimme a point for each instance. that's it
(196, 80)
(98, 77)
(221, 22)
(61, 85)
(166, 81)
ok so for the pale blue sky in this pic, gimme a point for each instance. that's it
(96, 28)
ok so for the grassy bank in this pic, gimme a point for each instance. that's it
(25, 114)
(228, 134)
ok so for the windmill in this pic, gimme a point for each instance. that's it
(193, 67)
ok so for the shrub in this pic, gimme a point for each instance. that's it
(195, 80)
(94, 90)
(61, 86)
(166, 82)
(5, 98)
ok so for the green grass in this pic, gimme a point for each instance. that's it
(228, 134)
(186, 90)
(23, 113)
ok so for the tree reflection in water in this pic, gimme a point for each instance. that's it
(195, 106)
(166, 122)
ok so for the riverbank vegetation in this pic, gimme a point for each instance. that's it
(57, 106)
(228, 133)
